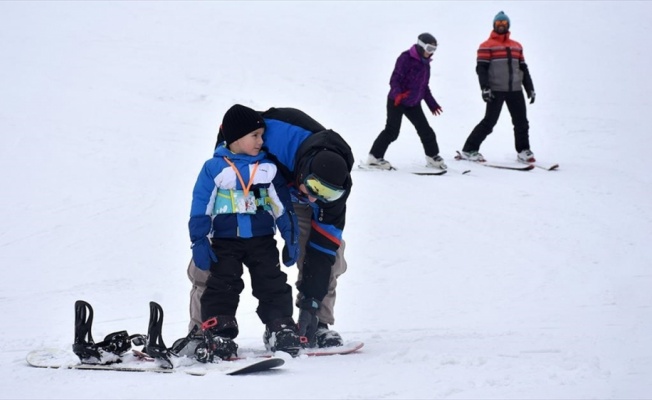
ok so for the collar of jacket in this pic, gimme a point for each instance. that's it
(223, 151)
(500, 37)
(414, 53)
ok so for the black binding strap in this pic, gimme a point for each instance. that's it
(89, 352)
(155, 347)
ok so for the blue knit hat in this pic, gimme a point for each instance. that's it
(501, 16)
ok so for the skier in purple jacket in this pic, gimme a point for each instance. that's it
(408, 87)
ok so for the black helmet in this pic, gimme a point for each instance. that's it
(426, 42)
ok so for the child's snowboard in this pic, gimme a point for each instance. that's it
(57, 358)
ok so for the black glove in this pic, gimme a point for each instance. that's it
(531, 95)
(487, 96)
(308, 319)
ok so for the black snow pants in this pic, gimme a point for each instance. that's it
(393, 125)
(268, 282)
(516, 105)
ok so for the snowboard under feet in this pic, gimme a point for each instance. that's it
(347, 348)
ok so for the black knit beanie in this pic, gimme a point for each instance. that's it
(330, 167)
(239, 121)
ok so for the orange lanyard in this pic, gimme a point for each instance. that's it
(246, 188)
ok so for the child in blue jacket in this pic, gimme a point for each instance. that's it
(316, 162)
(238, 200)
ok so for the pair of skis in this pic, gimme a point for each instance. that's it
(526, 166)
(416, 170)
(425, 171)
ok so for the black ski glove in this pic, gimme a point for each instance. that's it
(487, 96)
(308, 319)
(531, 95)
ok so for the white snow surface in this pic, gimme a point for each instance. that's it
(495, 284)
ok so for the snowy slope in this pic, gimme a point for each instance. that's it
(496, 284)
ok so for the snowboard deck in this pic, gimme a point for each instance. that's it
(60, 359)
(347, 348)
(250, 353)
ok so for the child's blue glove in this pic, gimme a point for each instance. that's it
(290, 253)
(288, 224)
(203, 254)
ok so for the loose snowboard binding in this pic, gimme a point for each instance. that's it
(154, 345)
(107, 351)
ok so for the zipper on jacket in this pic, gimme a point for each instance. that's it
(510, 68)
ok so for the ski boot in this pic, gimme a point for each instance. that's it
(377, 163)
(526, 156)
(436, 161)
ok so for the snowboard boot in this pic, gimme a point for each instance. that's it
(219, 333)
(327, 337)
(282, 335)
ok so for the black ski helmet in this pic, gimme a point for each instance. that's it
(426, 38)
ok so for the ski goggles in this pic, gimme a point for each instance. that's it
(501, 23)
(429, 48)
(322, 190)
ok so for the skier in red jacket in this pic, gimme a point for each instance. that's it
(503, 74)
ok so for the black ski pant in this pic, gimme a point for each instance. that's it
(516, 105)
(268, 282)
(393, 126)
